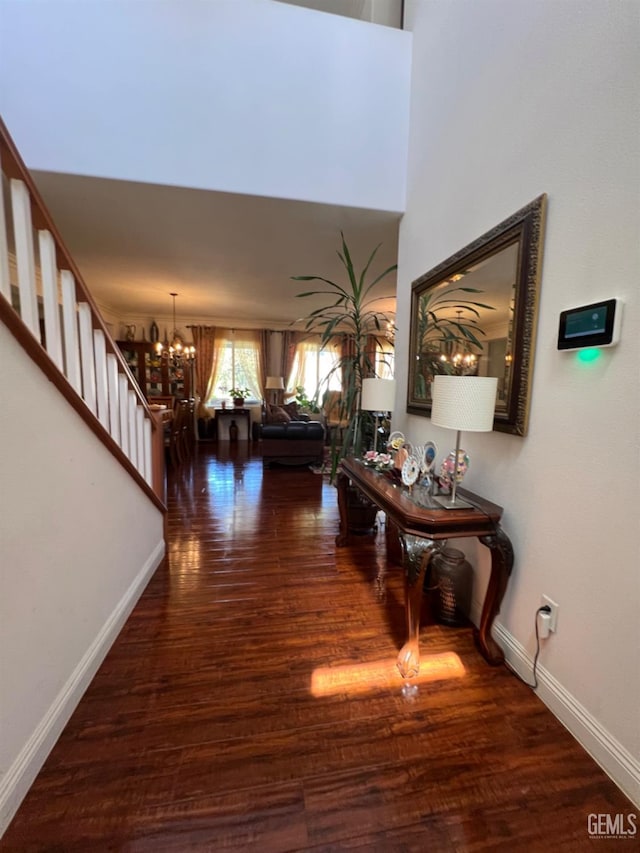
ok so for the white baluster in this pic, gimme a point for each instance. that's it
(23, 233)
(100, 353)
(113, 394)
(123, 407)
(140, 439)
(5, 280)
(131, 418)
(70, 325)
(148, 473)
(49, 271)
(86, 356)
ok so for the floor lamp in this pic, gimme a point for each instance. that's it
(462, 403)
(378, 395)
(275, 384)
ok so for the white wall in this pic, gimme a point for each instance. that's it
(243, 96)
(509, 100)
(78, 542)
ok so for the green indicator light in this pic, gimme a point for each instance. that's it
(589, 354)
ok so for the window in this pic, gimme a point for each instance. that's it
(237, 365)
(314, 369)
(384, 359)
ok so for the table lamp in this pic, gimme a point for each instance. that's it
(274, 384)
(378, 395)
(462, 403)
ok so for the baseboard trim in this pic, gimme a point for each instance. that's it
(20, 776)
(616, 761)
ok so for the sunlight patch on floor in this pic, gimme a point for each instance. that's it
(382, 674)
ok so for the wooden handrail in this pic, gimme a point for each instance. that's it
(14, 167)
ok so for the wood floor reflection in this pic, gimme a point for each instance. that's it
(201, 732)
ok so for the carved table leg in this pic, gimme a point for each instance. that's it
(417, 553)
(501, 564)
(342, 486)
(357, 513)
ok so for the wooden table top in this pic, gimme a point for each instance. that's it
(411, 514)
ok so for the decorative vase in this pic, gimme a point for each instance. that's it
(233, 431)
(238, 402)
(154, 333)
(453, 576)
(130, 334)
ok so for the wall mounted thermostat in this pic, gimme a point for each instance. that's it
(595, 325)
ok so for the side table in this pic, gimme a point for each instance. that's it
(422, 530)
(224, 418)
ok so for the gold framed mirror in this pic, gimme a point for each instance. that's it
(475, 314)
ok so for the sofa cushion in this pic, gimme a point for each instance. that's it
(277, 415)
(292, 410)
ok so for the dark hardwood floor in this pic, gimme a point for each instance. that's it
(250, 704)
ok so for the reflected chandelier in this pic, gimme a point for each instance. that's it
(465, 360)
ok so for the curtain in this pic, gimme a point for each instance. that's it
(289, 344)
(370, 349)
(348, 354)
(265, 360)
(297, 371)
(204, 341)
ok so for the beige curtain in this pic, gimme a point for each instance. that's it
(289, 345)
(370, 349)
(296, 374)
(204, 338)
(265, 359)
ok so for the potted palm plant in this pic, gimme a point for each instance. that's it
(351, 319)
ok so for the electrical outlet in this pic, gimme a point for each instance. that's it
(553, 622)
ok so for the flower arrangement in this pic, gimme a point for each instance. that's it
(379, 461)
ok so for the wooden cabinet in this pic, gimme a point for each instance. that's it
(156, 376)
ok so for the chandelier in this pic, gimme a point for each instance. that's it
(462, 360)
(175, 351)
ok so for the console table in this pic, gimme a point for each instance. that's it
(423, 526)
(227, 415)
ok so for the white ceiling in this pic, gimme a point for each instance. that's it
(229, 257)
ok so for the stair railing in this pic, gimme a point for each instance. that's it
(46, 305)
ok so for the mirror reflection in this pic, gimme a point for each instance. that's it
(474, 314)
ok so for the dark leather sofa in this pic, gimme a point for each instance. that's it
(294, 440)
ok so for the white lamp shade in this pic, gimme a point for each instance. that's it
(274, 383)
(378, 395)
(465, 403)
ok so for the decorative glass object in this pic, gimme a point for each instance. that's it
(446, 469)
(453, 577)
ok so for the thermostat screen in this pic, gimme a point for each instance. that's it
(590, 322)
(595, 325)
